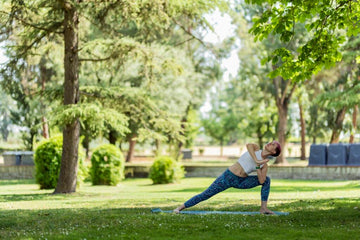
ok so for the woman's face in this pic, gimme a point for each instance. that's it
(271, 147)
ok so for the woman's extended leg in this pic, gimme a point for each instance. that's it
(219, 185)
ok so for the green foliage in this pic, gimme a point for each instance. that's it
(96, 117)
(111, 36)
(191, 128)
(47, 160)
(221, 122)
(166, 170)
(28, 110)
(128, 44)
(328, 22)
(107, 165)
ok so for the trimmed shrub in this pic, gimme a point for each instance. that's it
(166, 170)
(47, 160)
(107, 165)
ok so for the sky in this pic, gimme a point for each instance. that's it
(2, 57)
(222, 29)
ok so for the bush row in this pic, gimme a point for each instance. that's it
(107, 165)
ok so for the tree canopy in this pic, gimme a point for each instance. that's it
(329, 24)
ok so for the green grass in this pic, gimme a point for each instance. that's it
(318, 210)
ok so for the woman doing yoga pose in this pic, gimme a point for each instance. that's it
(237, 176)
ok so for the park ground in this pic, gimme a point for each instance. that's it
(318, 210)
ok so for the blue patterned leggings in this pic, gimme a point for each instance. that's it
(227, 180)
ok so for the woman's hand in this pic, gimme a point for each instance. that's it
(260, 162)
(262, 173)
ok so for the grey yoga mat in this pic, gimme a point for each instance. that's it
(158, 210)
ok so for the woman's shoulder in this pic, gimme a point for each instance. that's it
(252, 146)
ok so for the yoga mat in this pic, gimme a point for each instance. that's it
(158, 210)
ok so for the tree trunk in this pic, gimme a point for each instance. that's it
(354, 121)
(260, 138)
(221, 147)
(71, 132)
(112, 137)
(282, 98)
(86, 144)
(302, 129)
(283, 92)
(335, 137)
(182, 132)
(130, 154)
(43, 77)
(157, 147)
(283, 111)
(4, 129)
(32, 137)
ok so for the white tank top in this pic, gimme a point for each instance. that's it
(247, 163)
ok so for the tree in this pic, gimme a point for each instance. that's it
(302, 100)
(316, 123)
(71, 132)
(343, 95)
(5, 121)
(281, 88)
(354, 123)
(18, 80)
(36, 21)
(219, 127)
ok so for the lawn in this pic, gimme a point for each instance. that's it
(318, 210)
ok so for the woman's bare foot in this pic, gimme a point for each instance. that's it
(178, 209)
(266, 211)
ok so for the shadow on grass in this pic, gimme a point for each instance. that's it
(27, 197)
(17, 182)
(338, 218)
(42, 196)
(341, 208)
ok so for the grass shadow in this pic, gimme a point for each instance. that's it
(42, 196)
(27, 197)
(308, 219)
(17, 182)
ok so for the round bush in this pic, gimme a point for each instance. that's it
(47, 160)
(107, 165)
(166, 170)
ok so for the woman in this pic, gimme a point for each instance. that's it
(237, 176)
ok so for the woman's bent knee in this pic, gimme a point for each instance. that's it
(267, 181)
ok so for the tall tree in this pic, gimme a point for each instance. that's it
(354, 123)
(35, 21)
(280, 87)
(342, 96)
(71, 132)
(221, 121)
(303, 105)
